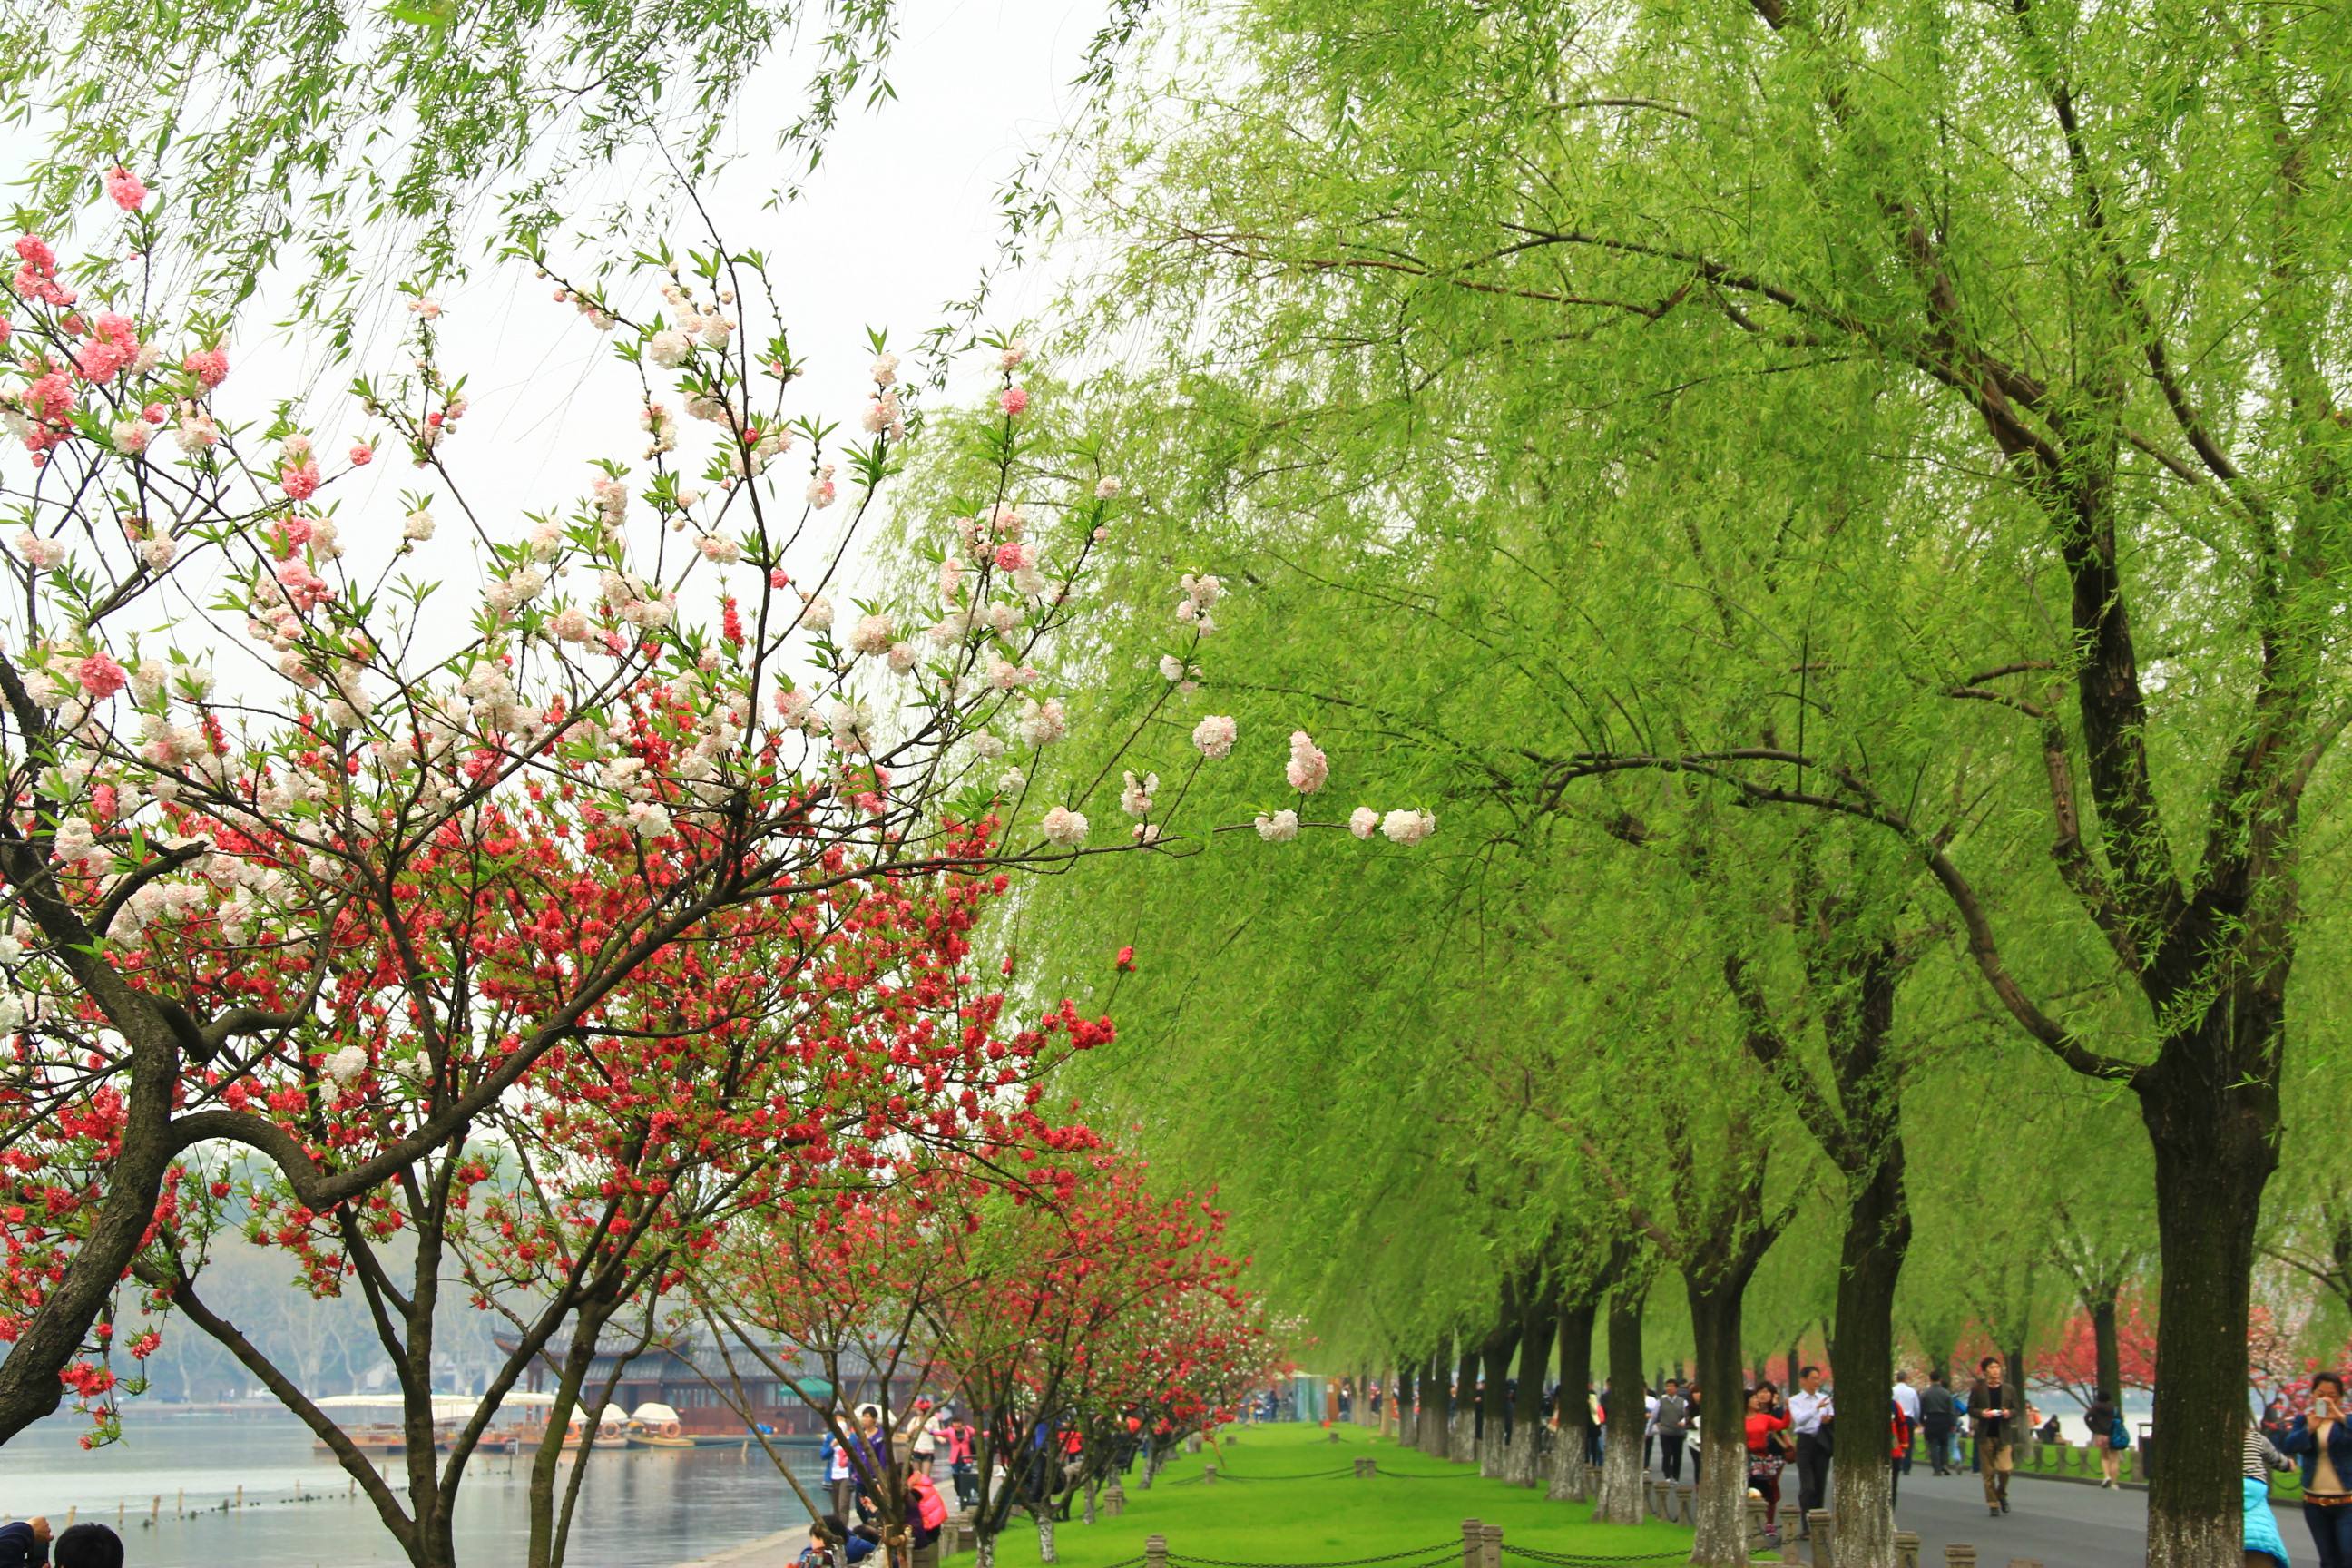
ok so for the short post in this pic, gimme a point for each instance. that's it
(1686, 1502)
(157, 1512)
(1959, 1554)
(1193, 1443)
(240, 1494)
(1907, 1549)
(1755, 1518)
(1155, 1551)
(1208, 1474)
(1490, 1546)
(76, 1509)
(1472, 1542)
(180, 1508)
(1114, 1498)
(1820, 1523)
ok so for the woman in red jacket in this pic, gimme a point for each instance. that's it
(1767, 1420)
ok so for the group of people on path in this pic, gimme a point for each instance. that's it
(855, 1463)
(88, 1545)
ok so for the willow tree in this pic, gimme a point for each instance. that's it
(2088, 262)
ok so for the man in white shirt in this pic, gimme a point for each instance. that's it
(1808, 1408)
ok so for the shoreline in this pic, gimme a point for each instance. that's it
(767, 1552)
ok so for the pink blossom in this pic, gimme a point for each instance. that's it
(1064, 826)
(1307, 769)
(1013, 557)
(209, 366)
(299, 480)
(125, 187)
(778, 578)
(1279, 828)
(100, 676)
(1363, 821)
(1215, 736)
(1013, 400)
(361, 454)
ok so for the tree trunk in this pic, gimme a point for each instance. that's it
(1493, 1402)
(2213, 1124)
(1619, 1501)
(1721, 1538)
(1877, 1237)
(1400, 1397)
(1462, 1435)
(2107, 1347)
(1436, 1426)
(1537, 1328)
(1045, 1536)
(1575, 1408)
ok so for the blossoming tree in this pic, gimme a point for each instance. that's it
(252, 764)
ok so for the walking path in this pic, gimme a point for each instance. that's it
(774, 1551)
(2051, 1522)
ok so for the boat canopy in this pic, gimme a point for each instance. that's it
(653, 1412)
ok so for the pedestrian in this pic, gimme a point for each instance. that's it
(1596, 1430)
(1672, 1422)
(1695, 1449)
(1906, 1400)
(1938, 1416)
(1900, 1427)
(87, 1545)
(1994, 1407)
(2322, 1440)
(1649, 1425)
(835, 1453)
(24, 1540)
(2103, 1417)
(1767, 1430)
(924, 1430)
(963, 1465)
(1809, 1408)
(2262, 1531)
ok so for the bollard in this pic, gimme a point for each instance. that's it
(1755, 1518)
(1208, 1474)
(1115, 1499)
(71, 1513)
(1907, 1549)
(1820, 1524)
(1472, 1542)
(1686, 1501)
(240, 1494)
(181, 1510)
(1155, 1551)
(1490, 1546)
(158, 1511)
(1959, 1554)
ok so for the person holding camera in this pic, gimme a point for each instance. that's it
(2322, 1440)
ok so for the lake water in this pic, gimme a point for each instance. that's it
(646, 1508)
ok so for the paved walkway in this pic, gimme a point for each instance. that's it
(775, 1551)
(2056, 1524)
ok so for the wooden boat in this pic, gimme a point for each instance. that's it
(377, 1441)
(652, 1426)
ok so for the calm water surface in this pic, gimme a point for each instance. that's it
(638, 1507)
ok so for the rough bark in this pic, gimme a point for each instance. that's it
(1462, 1435)
(1539, 1324)
(1436, 1424)
(2106, 1345)
(1494, 1399)
(1402, 1392)
(1721, 1533)
(1620, 1499)
(1575, 1408)
(1877, 1236)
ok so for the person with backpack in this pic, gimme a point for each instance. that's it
(2106, 1421)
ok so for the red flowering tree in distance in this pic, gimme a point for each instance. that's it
(1105, 1300)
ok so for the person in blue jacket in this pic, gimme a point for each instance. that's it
(25, 1540)
(2323, 1441)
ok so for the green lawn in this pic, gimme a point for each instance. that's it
(1416, 1501)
